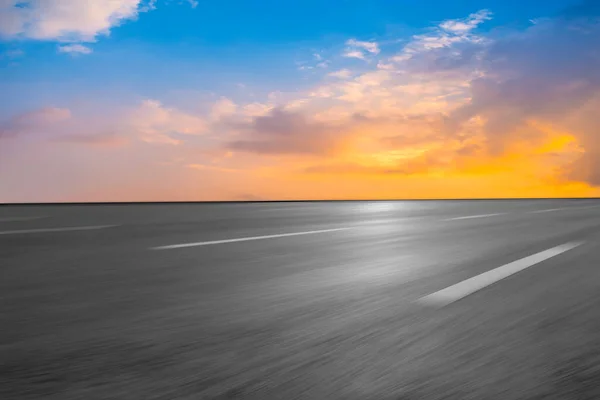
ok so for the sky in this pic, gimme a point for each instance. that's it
(198, 100)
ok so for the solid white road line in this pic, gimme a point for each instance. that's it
(66, 229)
(11, 219)
(244, 239)
(474, 216)
(476, 283)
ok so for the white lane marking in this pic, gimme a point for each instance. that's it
(244, 239)
(474, 216)
(563, 209)
(11, 219)
(279, 209)
(548, 210)
(407, 220)
(65, 229)
(478, 282)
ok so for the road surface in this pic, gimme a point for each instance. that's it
(332, 300)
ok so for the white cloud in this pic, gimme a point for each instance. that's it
(385, 66)
(371, 47)
(318, 61)
(468, 24)
(296, 104)
(65, 20)
(411, 83)
(357, 49)
(70, 21)
(354, 54)
(342, 74)
(448, 34)
(322, 92)
(74, 49)
(222, 108)
(149, 5)
(256, 109)
(431, 74)
(155, 123)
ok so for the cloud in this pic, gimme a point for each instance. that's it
(154, 123)
(62, 126)
(286, 132)
(212, 167)
(378, 102)
(548, 73)
(223, 108)
(64, 20)
(103, 139)
(342, 74)
(355, 54)
(448, 51)
(34, 122)
(317, 62)
(150, 121)
(255, 109)
(359, 49)
(468, 24)
(475, 96)
(343, 169)
(371, 47)
(68, 21)
(74, 49)
(420, 165)
(59, 125)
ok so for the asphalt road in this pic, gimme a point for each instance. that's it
(301, 301)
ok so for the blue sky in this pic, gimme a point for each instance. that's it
(341, 98)
(216, 46)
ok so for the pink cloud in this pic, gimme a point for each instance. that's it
(35, 122)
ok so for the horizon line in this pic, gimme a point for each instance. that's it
(288, 201)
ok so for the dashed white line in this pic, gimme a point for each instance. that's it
(404, 220)
(548, 210)
(476, 283)
(563, 209)
(474, 216)
(64, 229)
(245, 239)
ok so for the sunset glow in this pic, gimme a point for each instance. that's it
(188, 100)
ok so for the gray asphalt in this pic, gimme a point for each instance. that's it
(102, 314)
